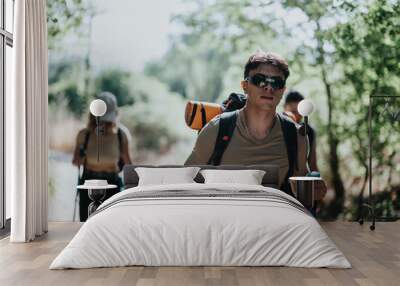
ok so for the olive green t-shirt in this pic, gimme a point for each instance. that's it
(109, 149)
(245, 149)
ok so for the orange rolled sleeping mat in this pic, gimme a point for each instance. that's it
(198, 113)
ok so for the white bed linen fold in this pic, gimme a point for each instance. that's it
(183, 231)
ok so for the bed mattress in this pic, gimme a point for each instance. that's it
(201, 225)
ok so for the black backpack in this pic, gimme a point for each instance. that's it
(83, 148)
(227, 125)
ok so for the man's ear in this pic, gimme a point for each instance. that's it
(244, 84)
(283, 91)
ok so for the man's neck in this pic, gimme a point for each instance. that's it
(258, 121)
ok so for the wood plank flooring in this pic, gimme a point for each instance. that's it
(375, 257)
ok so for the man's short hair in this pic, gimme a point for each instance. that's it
(293, 96)
(259, 58)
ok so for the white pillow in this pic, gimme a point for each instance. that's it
(163, 176)
(248, 177)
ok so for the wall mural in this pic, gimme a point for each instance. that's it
(154, 61)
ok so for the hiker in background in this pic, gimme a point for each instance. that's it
(292, 100)
(256, 133)
(113, 152)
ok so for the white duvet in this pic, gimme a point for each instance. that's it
(185, 230)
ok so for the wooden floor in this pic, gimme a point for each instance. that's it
(375, 257)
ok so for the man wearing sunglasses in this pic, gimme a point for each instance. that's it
(258, 135)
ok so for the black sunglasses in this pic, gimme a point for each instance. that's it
(262, 81)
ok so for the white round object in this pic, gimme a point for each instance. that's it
(305, 107)
(98, 107)
(305, 178)
(95, 185)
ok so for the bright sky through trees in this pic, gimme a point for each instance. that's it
(129, 33)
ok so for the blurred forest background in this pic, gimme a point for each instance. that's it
(340, 54)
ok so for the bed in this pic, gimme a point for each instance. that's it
(198, 224)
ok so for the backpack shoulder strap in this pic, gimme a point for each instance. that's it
(121, 162)
(289, 131)
(86, 142)
(119, 132)
(83, 147)
(120, 139)
(227, 125)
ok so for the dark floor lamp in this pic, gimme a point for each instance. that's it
(371, 204)
(98, 108)
(305, 108)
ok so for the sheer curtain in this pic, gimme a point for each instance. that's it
(26, 119)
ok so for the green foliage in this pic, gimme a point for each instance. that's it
(64, 16)
(340, 53)
(147, 107)
(194, 68)
(59, 70)
(367, 45)
(65, 83)
(51, 187)
(76, 103)
(234, 24)
(294, 29)
(344, 50)
(116, 82)
(153, 119)
(200, 61)
(64, 86)
(387, 205)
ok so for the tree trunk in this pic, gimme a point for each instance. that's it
(336, 206)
